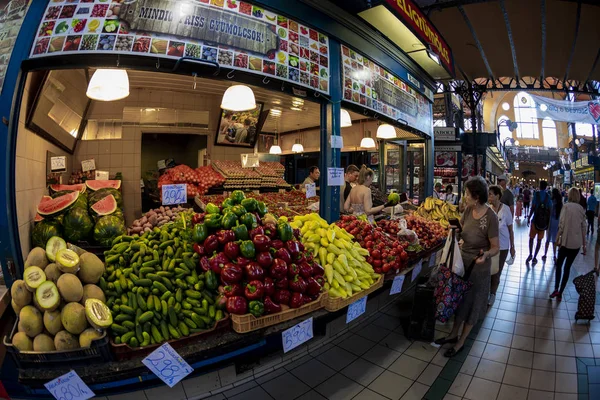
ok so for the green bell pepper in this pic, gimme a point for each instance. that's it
(247, 249)
(229, 220)
(261, 208)
(238, 210)
(212, 209)
(227, 203)
(237, 196)
(241, 232)
(200, 233)
(285, 231)
(257, 308)
(249, 220)
(211, 280)
(249, 204)
(213, 221)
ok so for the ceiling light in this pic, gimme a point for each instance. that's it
(367, 143)
(386, 131)
(108, 85)
(346, 121)
(296, 102)
(433, 56)
(516, 142)
(238, 98)
(275, 149)
(297, 147)
(505, 106)
(275, 112)
(296, 109)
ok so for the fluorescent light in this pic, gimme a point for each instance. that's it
(434, 56)
(367, 143)
(275, 149)
(386, 131)
(275, 112)
(108, 85)
(345, 118)
(238, 98)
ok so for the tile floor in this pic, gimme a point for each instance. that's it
(528, 347)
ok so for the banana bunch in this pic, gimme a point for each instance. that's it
(438, 210)
(346, 269)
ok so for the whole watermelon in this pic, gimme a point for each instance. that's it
(77, 224)
(107, 228)
(102, 193)
(43, 231)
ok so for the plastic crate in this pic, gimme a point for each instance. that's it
(248, 322)
(125, 352)
(99, 351)
(337, 303)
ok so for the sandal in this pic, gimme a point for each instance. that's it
(444, 340)
(451, 352)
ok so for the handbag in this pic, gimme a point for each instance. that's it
(495, 264)
(450, 288)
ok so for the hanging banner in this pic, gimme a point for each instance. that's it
(587, 112)
(371, 86)
(236, 34)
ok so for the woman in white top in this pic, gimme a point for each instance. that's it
(505, 233)
(450, 197)
(360, 200)
(570, 237)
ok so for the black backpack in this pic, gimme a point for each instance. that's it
(542, 213)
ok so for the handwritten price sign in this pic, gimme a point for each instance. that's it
(356, 309)
(432, 259)
(69, 387)
(297, 335)
(88, 165)
(397, 284)
(417, 270)
(166, 364)
(174, 194)
(58, 163)
(311, 190)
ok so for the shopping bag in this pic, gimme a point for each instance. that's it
(495, 264)
(451, 254)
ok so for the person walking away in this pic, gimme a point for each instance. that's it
(437, 191)
(360, 201)
(480, 243)
(526, 200)
(557, 203)
(592, 205)
(540, 214)
(570, 238)
(519, 209)
(508, 197)
(582, 200)
(505, 234)
(450, 197)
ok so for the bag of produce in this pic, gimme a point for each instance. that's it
(406, 234)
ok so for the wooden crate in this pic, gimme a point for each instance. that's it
(337, 303)
(248, 322)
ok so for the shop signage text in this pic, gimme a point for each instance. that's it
(587, 112)
(394, 96)
(443, 133)
(411, 14)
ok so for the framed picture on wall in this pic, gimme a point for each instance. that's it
(265, 141)
(240, 128)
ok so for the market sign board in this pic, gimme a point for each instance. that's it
(13, 12)
(235, 34)
(373, 87)
(445, 133)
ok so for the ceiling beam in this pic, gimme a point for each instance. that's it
(510, 38)
(543, 61)
(593, 67)
(577, 21)
(477, 42)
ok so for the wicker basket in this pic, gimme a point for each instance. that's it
(337, 303)
(248, 322)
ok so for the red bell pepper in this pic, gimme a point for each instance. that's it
(270, 230)
(237, 305)
(282, 297)
(293, 270)
(261, 242)
(306, 270)
(205, 264)
(320, 280)
(277, 244)
(297, 234)
(256, 231)
(232, 250)
(279, 269)
(298, 284)
(225, 236)
(312, 287)
(231, 273)
(284, 255)
(293, 248)
(271, 307)
(198, 218)
(211, 244)
(308, 298)
(217, 262)
(199, 249)
(242, 261)
(297, 300)
(264, 259)
(282, 283)
(318, 270)
(301, 246)
(234, 289)
(254, 290)
(254, 271)
(269, 286)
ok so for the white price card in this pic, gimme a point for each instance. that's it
(101, 175)
(337, 142)
(356, 309)
(335, 176)
(311, 190)
(174, 194)
(297, 335)
(432, 259)
(88, 165)
(417, 270)
(69, 386)
(161, 164)
(58, 163)
(167, 365)
(397, 284)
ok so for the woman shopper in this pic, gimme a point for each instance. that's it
(557, 203)
(506, 236)
(479, 236)
(570, 237)
(359, 200)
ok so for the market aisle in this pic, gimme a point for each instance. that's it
(527, 348)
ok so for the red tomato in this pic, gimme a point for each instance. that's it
(376, 254)
(386, 267)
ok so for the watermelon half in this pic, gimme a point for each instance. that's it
(106, 206)
(69, 188)
(57, 205)
(97, 185)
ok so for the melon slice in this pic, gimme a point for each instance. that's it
(70, 188)
(106, 206)
(38, 218)
(97, 185)
(45, 199)
(57, 205)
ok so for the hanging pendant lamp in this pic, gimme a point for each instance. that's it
(238, 98)
(108, 85)
(275, 148)
(297, 147)
(386, 131)
(367, 141)
(346, 121)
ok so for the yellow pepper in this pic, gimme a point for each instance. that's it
(333, 249)
(323, 256)
(324, 242)
(339, 278)
(329, 273)
(330, 258)
(314, 238)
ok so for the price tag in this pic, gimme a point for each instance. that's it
(337, 142)
(297, 335)
(167, 365)
(417, 270)
(69, 386)
(335, 176)
(101, 175)
(88, 165)
(174, 194)
(311, 190)
(432, 259)
(58, 163)
(397, 284)
(161, 164)
(356, 309)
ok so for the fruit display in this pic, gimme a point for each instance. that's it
(445, 172)
(288, 204)
(343, 260)
(430, 233)
(266, 175)
(438, 210)
(157, 217)
(56, 311)
(198, 180)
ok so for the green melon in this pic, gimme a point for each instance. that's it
(107, 228)
(43, 231)
(77, 224)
